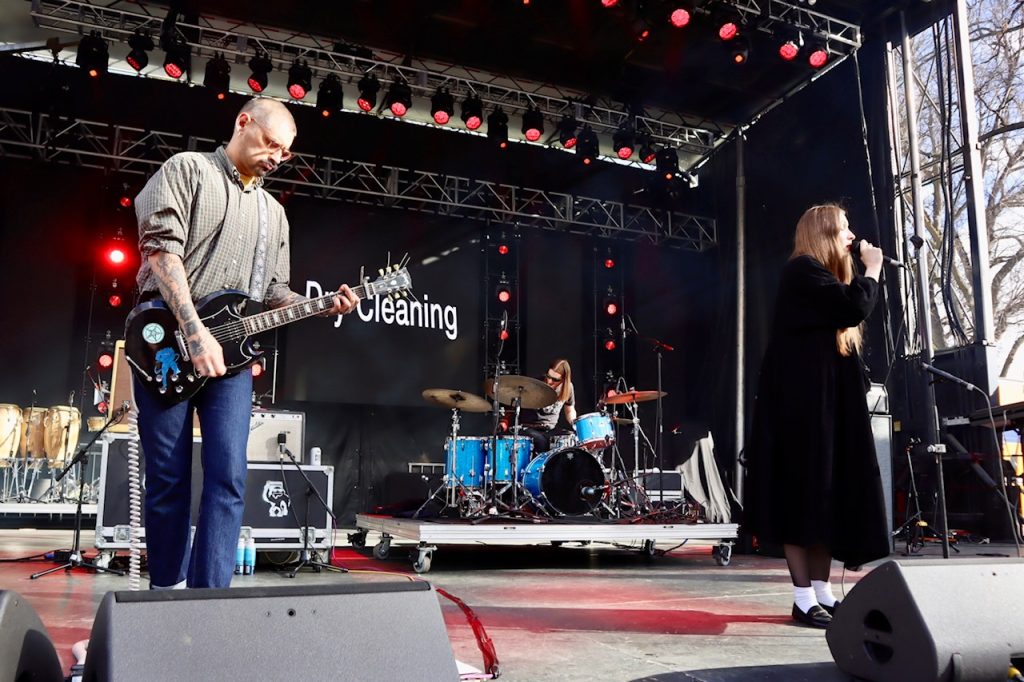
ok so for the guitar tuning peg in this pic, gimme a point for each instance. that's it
(381, 271)
(405, 293)
(394, 267)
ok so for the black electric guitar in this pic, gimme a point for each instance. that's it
(157, 350)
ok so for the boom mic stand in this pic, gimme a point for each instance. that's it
(75, 559)
(304, 554)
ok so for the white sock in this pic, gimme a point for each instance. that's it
(823, 591)
(804, 598)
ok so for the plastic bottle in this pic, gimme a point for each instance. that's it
(250, 556)
(240, 557)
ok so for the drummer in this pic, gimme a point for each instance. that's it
(541, 424)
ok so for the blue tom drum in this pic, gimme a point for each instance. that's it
(595, 431)
(464, 461)
(510, 450)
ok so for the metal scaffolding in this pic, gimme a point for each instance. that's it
(123, 149)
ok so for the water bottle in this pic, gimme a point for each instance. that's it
(314, 456)
(240, 557)
(250, 556)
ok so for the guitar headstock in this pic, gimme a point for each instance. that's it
(394, 281)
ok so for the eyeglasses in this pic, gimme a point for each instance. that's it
(273, 144)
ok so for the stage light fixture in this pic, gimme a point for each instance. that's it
(300, 79)
(218, 76)
(503, 293)
(567, 131)
(368, 87)
(116, 255)
(177, 57)
(329, 96)
(609, 340)
(442, 106)
(586, 145)
(667, 163)
(398, 99)
(503, 249)
(623, 142)
(740, 51)
(141, 44)
(93, 54)
(680, 16)
(609, 262)
(647, 151)
(261, 66)
(504, 335)
(818, 54)
(258, 368)
(125, 201)
(789, 50)
(472, 111)
(728, 22)
(611, 306)
(533, 124)
(609, 3)
(115, 301)
(105, 360)
(497, 128)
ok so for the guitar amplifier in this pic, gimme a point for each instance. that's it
(264, 429)
(274, 499)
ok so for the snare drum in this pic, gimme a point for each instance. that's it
(502, 458)
(60, 427)
(10, 431)
(569, 482)
(595, 431)
(464, 461)
(33, 435)
(562, 441)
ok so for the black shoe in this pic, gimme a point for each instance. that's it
(816, 616)
(831, 610)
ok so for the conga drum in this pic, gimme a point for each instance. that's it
(10, 432)
(33, 438)
(60, 427)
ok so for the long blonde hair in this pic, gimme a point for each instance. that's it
(817, 236)
(561, 366)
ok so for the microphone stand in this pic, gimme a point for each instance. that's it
(304, 554)
(75, 559)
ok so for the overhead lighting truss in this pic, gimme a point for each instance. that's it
(767, 14)
(138, 151)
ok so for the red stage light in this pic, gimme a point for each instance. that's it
(532, 134)
(643, 35)
(818, 58)
(325, 113)
(586, 160)
(398, 109)
(625, 152)
(679, 17)
(611, 307)
(364, 104)
(789, 50)
(503, 249)
(570, 143)
(609, 263)
(441, 118)
(257, 370)
(504, 335)
(93, 73)
(105, 361)
(125, 201)
(609, 3)
(609, 344)
(101, 407)
(739, 57)
(173, 70)
(296, 90)
(115, 301)
(220, 95)
(728, 30)
(473, 122)
(116, 255)
(504, 295)
(503, 144)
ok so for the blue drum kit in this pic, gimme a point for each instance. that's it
(503, 474)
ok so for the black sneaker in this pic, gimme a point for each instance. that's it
(816, 616)
(831, 610)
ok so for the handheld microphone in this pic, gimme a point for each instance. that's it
(886, 259)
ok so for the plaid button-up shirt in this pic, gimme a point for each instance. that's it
(196, 207)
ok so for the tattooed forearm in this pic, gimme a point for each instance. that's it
(173, 282)
(283, 297)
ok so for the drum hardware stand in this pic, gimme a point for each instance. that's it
(304, 554)
(25, 489)
(75, 558)
(916, 528)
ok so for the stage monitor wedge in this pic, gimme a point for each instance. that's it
(363, 631)
(946, 620)
(26, 651)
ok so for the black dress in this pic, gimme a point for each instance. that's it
(812, 474)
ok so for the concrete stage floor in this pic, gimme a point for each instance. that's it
(553, 613)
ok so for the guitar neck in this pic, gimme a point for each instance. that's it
(278, 317)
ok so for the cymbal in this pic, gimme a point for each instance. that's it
(452, 399)
(533, 394)
(634, 397)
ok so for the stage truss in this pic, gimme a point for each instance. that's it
(135, 151)
(429, 534)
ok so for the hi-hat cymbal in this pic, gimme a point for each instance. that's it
(450, 398)
(634, 397)
(533, 394)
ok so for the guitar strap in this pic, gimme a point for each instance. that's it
(259, 262)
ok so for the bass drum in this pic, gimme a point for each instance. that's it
(570, 482)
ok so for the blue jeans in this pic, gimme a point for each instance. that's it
(225, 410)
